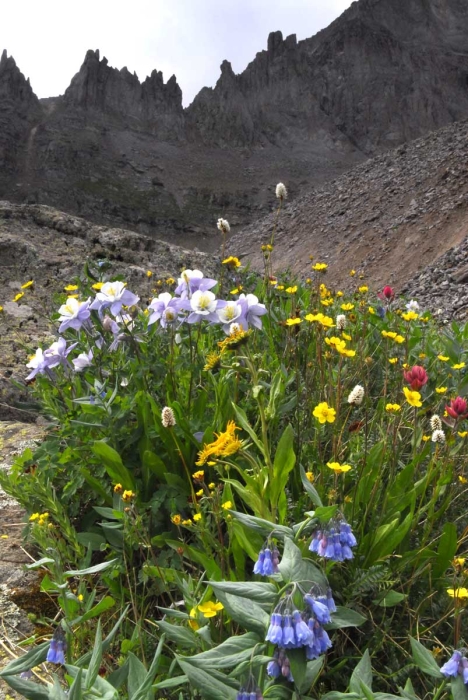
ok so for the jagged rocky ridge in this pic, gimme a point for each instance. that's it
(118, 150)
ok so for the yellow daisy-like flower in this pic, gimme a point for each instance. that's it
(26, 285)
(1, 309)
(326, 302)
(325, 321)
(339, 293)
(347, 307)
(352, 273)
(128, 495)
(459, 365)
(422, 355)
(371, 310)
(335, 342)
(213, 361)
(459, 561)
(170, 280)
(267, 248)
(227, 505)
(441, 390)
(199, 475)
(389, 334)
(399, 339)
(412, 397)
(176, 519)
(319, 267)
(393, 407)
(410, 316)
(463, 480)
(226, 444)
(187, 522)
(346, 336)
(118, 488)
(291, 290)
(393, 360)
(232, 261)
(197, 517)
(363, 289)
(199, 493)
(426, 438)
(33, 517)
(149, 273)
(324, 413)
(71, 288)
(97, 286)
(280, 287)
(293, 321)
(346, 352)
(463, 433)
(236, 290)
(19, 296)
(458, 592)
(443, 358)
(339, 468)
(212, 486)
(310, 477)
(210, 609)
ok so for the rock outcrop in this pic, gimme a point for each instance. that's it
(121, 151)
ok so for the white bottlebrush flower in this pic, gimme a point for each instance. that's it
(438, 436)
(436, 423)
(223, 226)
(341, 322)
(281, 191)
(203, 303)
(167, 417)
(412, 305)
(356, 396)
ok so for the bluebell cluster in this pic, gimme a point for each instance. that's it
(301, 629)
(334, 542)
(58, 646)
(267, 562)
(457, 665)
(280, 666)
(254, 694)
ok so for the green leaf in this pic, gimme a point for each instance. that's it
(96, 485)
(75, 688)
(192, 553)
(143, 692)
(390, 599)
(295, 569)
(259, 591)
(362, 673)
(264, 527)
(96, 658)
(210, 687)
(458, 689)
(325, 513)
(83, 660)
(312, 673)
(230, 653)
(155, 464)
(245, 425)
(136, 674)
(32, 691)
(285, 459)
(114, 465)
(91, 569)
(176, 633)
(105, 604)
(40, 562)
(424, 659)
(170, 683)
(33, 657)
(246, 612)
(310, 489)
(91, 539)
(446, 550)
(345, 617)
(298, 662)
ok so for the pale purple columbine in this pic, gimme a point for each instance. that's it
(191, 281)
(84, 359)
(457, 665)
(334, 542)
(73, 314)
(203, 305)
(251, 311)
(114, 295)
(164, 309)
(58, 646)
(229, 314)
(413, 305)
(58, 352)
(37, 363)
(267, 562)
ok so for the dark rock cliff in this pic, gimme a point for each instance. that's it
(118, 150)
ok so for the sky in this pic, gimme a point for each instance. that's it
(188, 38)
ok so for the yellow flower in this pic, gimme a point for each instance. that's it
(422, 355)
(443, 358)
(463, 480)
(198, 476)
(149, 273)
(212, 486)
(97, 286)
(324, 292)
(3, 537)
(393, 407)
(213, 361)
(71, 288)
(236, 290)
(412, 397)
(410, 316)
(18, 296)
(197, 517)
(363, 289)
(347, 307)
(393, 360)
(273, 282)
(226, 444)
(292, 290)
(339, 293)
(170, 280)
(319, 267)
(459, 365)
(280, 287)
(371, 310)
(26, 285)
(405, 365)
(335, 342)
(310, 477)
(118, 488)
(227, 505)
(128, 495)
(463, 433)
(389, 334)
(352, 273)
(308, 281)
(33, 517)
(176, 519)
(199, 493)
(324, 413)
(293, 321)
(267, 247)
(232, 261)
(459, 561)
(399, 339)
(426, 438)
(458, 592)
(339, 468)
(326, 302)
(186, 522)
(346, 336)
(325, 321)
(210, 609)
(346, 352)
(80, 597)
(1, 309)
(441, 389)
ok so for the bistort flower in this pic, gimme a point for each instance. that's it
(167, 417)
(223, 226)
(356, 396)
(281, 191)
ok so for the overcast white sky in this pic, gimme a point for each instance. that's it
(189, 38)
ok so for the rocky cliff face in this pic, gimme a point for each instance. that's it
(118, 150)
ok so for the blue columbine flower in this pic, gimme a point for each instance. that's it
(453, 667)
(275, 630)
(56, 653)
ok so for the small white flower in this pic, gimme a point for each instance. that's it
(438, 436)
(36, 359)
(356, 396)
(230, 312)
(223, 226)
(436, 423)
(341, 322)
(124, 381)
(178, 339)
(167, 417)
(281, 191)
(203, 302)
(412, 305)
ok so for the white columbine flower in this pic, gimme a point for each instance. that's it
(229, 313)
(436, 423)
(203, 303)
(438, 436)
(223, 226)
(341, 322)
(412, 305)
(356, 396)
(281, 191)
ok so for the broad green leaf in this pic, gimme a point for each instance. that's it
(136, 674)
(75, 688)
(84, 660)
(33, 657)
(446, 550)
(243, 422)
(91, 569)
(362, 673)
(105, 604)
(40, 562)
(210, 687)
(458, 688)
(259, 591)
(96, 658)
(32, 691)
(192, 553)
(170, 683)
(290, 565)
(345, 617)
(246, 612)
(143, 691)
(424, 659)
(310, 489)
(298, 662)
(176, 633)
(264, 527)
(230, 653)
(313, 669)
(390, 599)
(285, 459)
(114, 465)
(91, 539)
